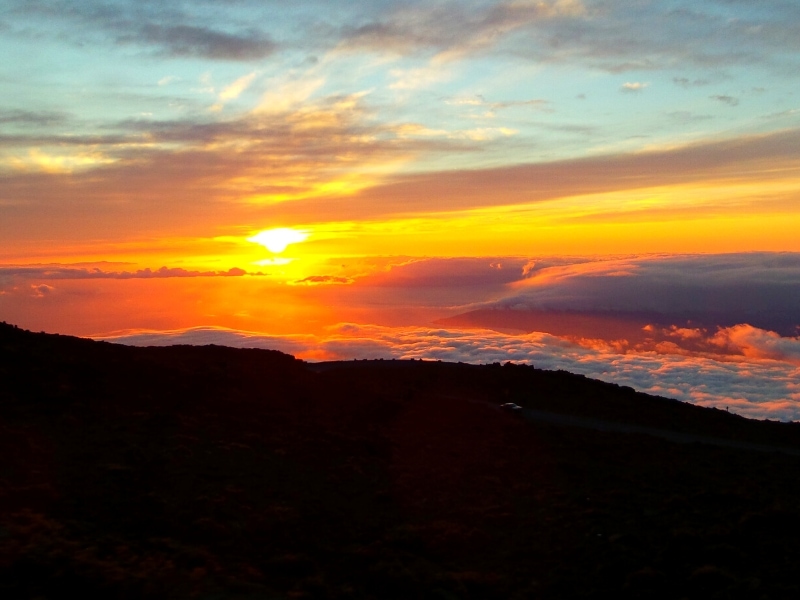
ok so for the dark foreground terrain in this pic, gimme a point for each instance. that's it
(209, 472)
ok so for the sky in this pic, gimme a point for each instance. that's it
(603, 186)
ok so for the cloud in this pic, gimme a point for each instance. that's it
(753, 387)
(452, 30)
(482, 273)
(758, 343)
(685, 116)
(685, 82)
(42, 290)
(635, 86)
(762, 157)
(235, 89)
(52, 272)
(729, 100)
(33, 118)
(323, 279)
(203, 164)
(192, 30)
(762, 289)
(612, 35)
(490, 108)
(202, 42)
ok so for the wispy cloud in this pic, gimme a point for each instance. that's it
(56, 272)
(33, 118)
(489, 109)
(685, 82)
(759, 156)
(234, 90)
(725, 99)
(202, 42)
(452, 30)
(614, 35)
(323, 280)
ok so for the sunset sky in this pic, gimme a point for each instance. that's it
(610, 187)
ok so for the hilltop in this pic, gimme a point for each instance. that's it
(213, 472)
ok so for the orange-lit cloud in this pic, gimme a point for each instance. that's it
(757, 343)
(713, 197)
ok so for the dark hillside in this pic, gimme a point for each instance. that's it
(211, 472)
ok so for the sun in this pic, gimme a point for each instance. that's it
(276, 240)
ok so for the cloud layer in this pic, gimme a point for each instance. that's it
(760, 288)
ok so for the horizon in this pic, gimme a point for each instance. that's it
(603, 188)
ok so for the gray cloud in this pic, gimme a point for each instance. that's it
(450, 27)
(685, 82)
(175, 30)
(613, 35)
(33, 118)
(609, 298)
(202, 42)
(762, 289)
(729, 100)
(685, 116)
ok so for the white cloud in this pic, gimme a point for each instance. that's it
(235, 89)
(633, 86)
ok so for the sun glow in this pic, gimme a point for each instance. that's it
(276, 240)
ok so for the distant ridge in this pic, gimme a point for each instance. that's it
(186, 471)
